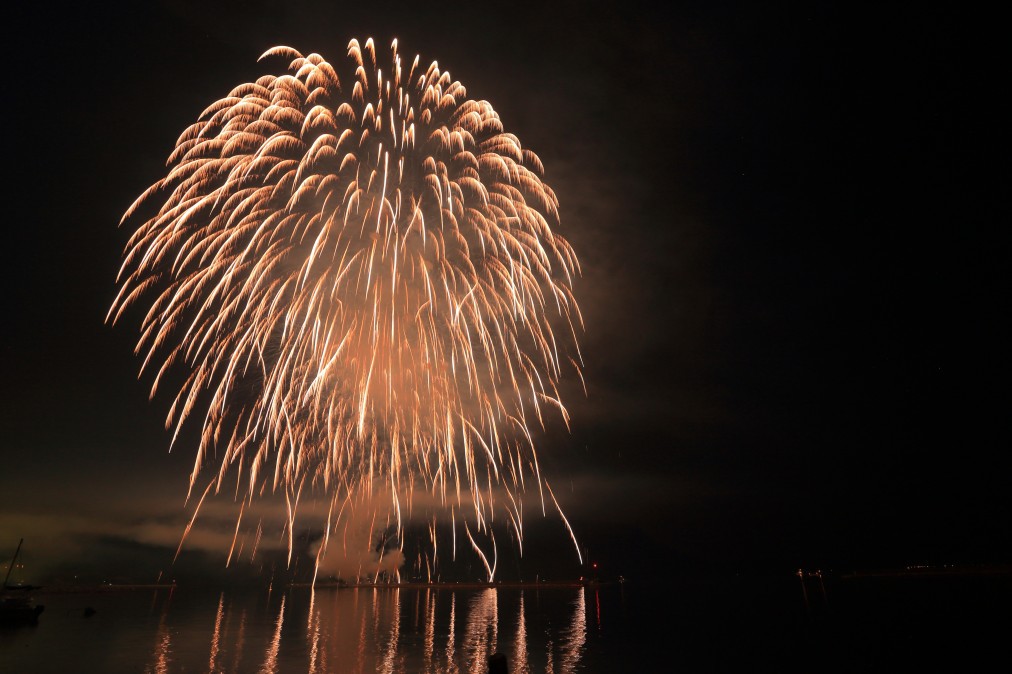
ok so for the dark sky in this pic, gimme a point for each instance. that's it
(789, 220)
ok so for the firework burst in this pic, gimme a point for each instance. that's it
(361, 279)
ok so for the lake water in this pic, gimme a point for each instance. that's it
(692, 625)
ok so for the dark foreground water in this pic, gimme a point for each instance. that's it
(711, 625)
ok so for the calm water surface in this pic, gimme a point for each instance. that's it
(687, 626)
(329, 630)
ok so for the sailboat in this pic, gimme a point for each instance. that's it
(17, 606)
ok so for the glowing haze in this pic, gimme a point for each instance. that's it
(357, 271)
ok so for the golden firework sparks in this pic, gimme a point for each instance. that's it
(363, 282)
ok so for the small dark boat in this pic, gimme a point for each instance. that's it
(19, 609)
(17, 606)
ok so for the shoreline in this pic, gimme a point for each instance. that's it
(995, 571)
(930, 572)
(467, 585)
(327, 585)
(101, 588)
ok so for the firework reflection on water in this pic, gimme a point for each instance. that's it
(366, 630)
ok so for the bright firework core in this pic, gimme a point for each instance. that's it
(360, 277)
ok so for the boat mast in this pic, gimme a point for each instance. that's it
(13, 560)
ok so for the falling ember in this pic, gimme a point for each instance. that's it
(361, 279)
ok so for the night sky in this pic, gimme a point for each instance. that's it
(790, 226)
